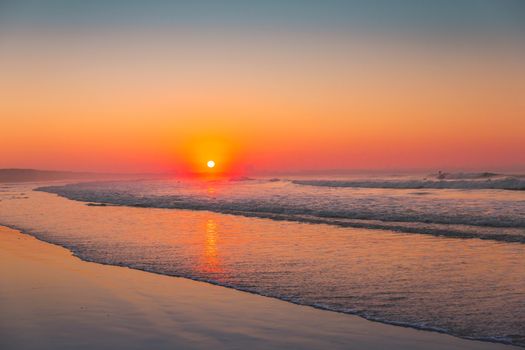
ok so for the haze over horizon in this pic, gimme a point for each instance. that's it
(274, 86)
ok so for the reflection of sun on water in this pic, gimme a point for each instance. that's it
(211, 262)
(211, 238)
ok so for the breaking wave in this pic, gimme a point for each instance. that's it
(467, 181)
(482, 215)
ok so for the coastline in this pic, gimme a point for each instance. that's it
(51, 299)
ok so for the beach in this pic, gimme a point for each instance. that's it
(53, 300)
(469, 288)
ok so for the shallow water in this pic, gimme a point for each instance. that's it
(467, 287)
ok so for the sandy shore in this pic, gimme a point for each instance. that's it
(50, 299)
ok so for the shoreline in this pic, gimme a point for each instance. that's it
(79, 256)
(252, 320)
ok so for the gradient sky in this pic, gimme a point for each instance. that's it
(262, 85)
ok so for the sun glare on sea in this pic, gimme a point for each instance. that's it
(210, 164)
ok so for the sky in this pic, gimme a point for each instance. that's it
(262, 86)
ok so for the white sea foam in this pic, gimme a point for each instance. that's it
(441, 181)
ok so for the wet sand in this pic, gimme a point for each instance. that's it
(50, 299)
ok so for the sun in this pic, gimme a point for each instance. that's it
(210, 164)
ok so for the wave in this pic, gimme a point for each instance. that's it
(459, 176)
(500, 221)
(459, 181)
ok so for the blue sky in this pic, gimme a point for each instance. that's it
(501, 17)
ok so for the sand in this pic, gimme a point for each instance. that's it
(50, 299)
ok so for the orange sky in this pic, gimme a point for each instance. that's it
(152, 101)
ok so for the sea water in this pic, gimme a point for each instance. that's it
(443, 252)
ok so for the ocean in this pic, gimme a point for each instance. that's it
(442, 252)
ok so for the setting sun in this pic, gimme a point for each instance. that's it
(210, 164)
